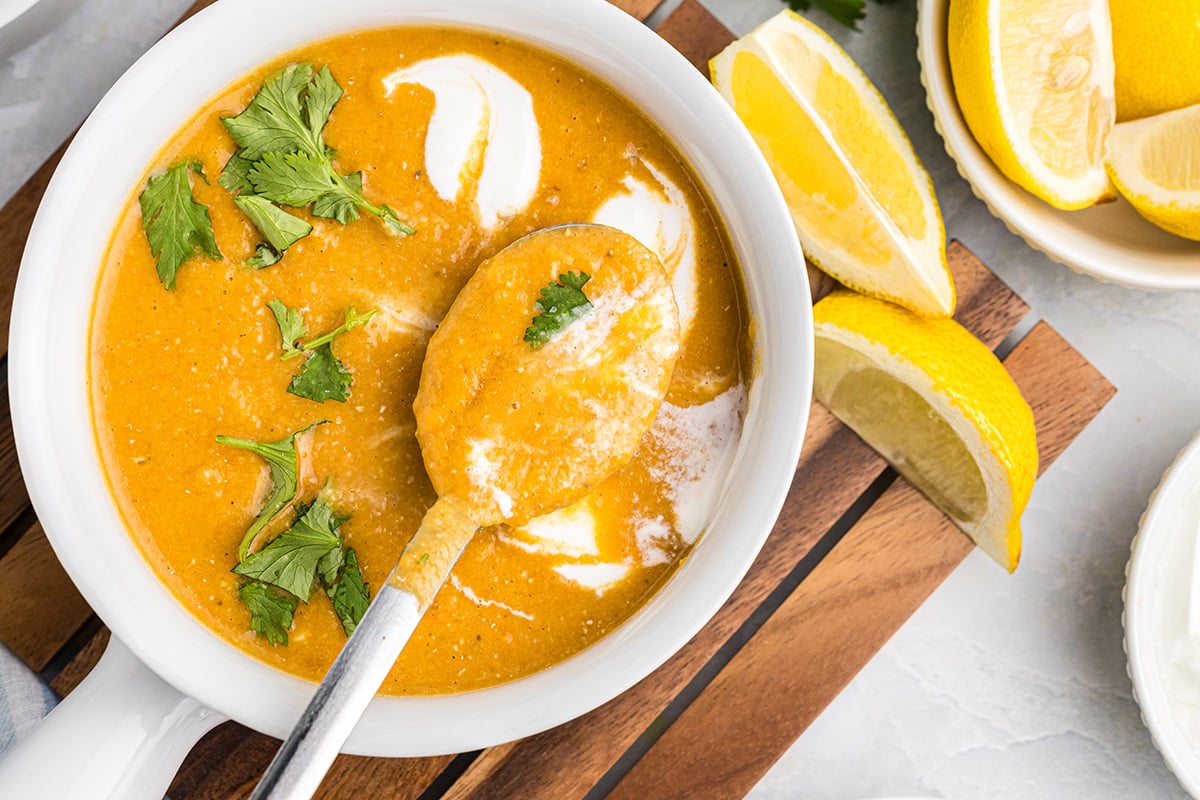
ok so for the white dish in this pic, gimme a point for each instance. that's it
(1155, 616)
(22, 22)
(53, 426)
(1110, 242)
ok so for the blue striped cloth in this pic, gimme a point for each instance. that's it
(24, 699)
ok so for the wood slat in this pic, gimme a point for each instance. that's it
(835, 469)
(695, 33)
(14, 499)
(40, 609)
(638, 9)
(857, 597)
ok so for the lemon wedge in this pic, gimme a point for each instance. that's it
(1155, 163)
(1156, 51)
(938, 405)
(863, 205)
(1034, 81)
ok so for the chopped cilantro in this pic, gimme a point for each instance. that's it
(281, 458)
(561, 303)
(847, 12)
(175, 224)
(323, 376)
(283, 159)
(349, 593)
(293, 558)
(271, 610)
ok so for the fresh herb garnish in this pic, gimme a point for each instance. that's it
(284, 573)
(282, 459)
(293, 558)
(279, 228)
(561, 303)
(175, 224)
(350, 594)
(283, 159)
(271, 610)
(847, 12)
(323, 376)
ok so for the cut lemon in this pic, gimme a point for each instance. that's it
(1034, 80)
(938, 405)
(863, 205)
(1155, 163)
(1156, 51)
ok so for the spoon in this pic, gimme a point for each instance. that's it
(509, 429)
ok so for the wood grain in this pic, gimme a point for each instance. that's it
(40, 609)
(695, 33)
(14, 499)
(638, 9)
(889, 563)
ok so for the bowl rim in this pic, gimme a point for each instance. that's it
(51, 412)
(1142, 660)
(1064, 236)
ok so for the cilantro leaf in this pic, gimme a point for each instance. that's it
(294, 179)
(350, 594)
(271, 610)
(175, 224)
(235, 175)
(292, 558)
(281, 229)
(847, 12)
(276, 119)
(323, 377)
(281, 133)
(292, 327)
(282, 459)
(264, 256)
(562, 303)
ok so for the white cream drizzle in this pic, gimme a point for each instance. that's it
(468, 593)
(659, 217)
(702, 440)
(483, 132)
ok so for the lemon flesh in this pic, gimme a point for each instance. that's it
(1034, 81)
(1156, 50)
(938, 405)
(1155, 164)
(863, 206)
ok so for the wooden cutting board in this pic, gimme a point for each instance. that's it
(855, 552)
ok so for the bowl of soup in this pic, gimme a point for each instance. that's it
(221, 319)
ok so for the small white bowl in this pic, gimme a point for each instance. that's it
(22, 22)
(1156, 601)
(1111, 242)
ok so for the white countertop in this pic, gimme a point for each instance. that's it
(1000, 686)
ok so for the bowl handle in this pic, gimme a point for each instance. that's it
(122, 733)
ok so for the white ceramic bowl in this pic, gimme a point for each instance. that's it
(51, 318)
(1111, 242)
(1155, 616)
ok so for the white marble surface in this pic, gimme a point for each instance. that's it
(999, 687)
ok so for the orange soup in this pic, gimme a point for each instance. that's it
(351, 189)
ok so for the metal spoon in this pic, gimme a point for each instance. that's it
(509, 429)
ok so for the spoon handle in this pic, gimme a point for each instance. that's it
(368, 655)
(348, 686)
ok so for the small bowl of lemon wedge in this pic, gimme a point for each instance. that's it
(1078, 124)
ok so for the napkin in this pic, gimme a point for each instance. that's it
(24, 699)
